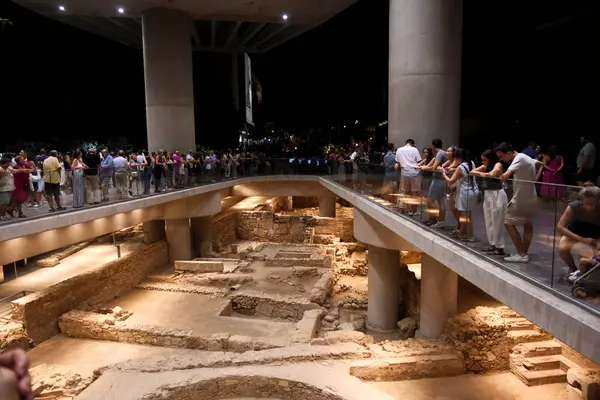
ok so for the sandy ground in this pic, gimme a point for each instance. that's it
(195, 312)
(502, 386)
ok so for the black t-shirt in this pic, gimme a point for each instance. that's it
(92, 161)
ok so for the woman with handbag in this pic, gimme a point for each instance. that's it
(21, 177)
(77, 167)
(495, 201)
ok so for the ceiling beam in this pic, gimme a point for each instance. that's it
(233, 34)
(287, 36)
(266, 36)
(213, 33)
(195, 34)
(121, 23)
(250, 32)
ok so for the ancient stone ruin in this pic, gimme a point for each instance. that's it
(278, 311)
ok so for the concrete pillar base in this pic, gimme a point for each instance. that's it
(179, 239)
(327, 207)
(439, 294)
(202, 235)
(384, 274)
(154, 231)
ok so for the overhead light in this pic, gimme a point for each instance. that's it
(62, 8)
(285, 17)
(121, 10)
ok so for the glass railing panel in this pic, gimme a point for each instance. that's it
(576, 242)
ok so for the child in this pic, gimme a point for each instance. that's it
(586, 261)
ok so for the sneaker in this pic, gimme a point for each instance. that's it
(517, 258)
(438, 225)
(416, 213)
(574, 276)
(410, 213)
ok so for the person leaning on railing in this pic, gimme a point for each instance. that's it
(580, 223)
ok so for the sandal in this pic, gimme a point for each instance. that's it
(489, 249)
(22, 216)
(499, 252)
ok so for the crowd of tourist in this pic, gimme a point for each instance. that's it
(88, 175)
(507, 183)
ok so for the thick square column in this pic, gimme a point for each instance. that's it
(202, 235)
(439, 295)
(179, 239)
(154, 231)
(425, 71)
(327, 206)
(384, 274)
(169, 80)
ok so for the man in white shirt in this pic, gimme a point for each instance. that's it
(407, 158)
(354, 164)
(523, 202)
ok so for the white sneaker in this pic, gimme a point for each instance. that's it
(438, 225)
(416, 213)
(574, 276)
(517, 258)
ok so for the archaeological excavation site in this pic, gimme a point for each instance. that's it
(274, 298)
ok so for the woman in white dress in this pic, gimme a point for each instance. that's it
(467, 193)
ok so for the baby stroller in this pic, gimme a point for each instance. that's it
(588, 284)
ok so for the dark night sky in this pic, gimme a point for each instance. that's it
(59, 82)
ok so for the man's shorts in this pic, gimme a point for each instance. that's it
(52, 189)
(410, 184)
(5, 198)
(520, 211)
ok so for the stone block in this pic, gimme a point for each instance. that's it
(293, 254)
(412, 367)
(199, 267)
(587, 381)
(307, 327)
(333, 337)
(322, 289)
(305, 271)
(48, 262)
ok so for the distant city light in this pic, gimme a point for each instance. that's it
(121, 10)
(62, 8)
(356, 123)
(344, 126)
(285, 17)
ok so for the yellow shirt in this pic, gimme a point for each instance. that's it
(51, 170)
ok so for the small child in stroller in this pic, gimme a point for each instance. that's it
(585, 281)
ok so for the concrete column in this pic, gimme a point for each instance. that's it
(202, 235)
(439, 291)
(327, 207)
(384, 274)
(169, 79)
(179, 239)
(425, 71)
(154, 231)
